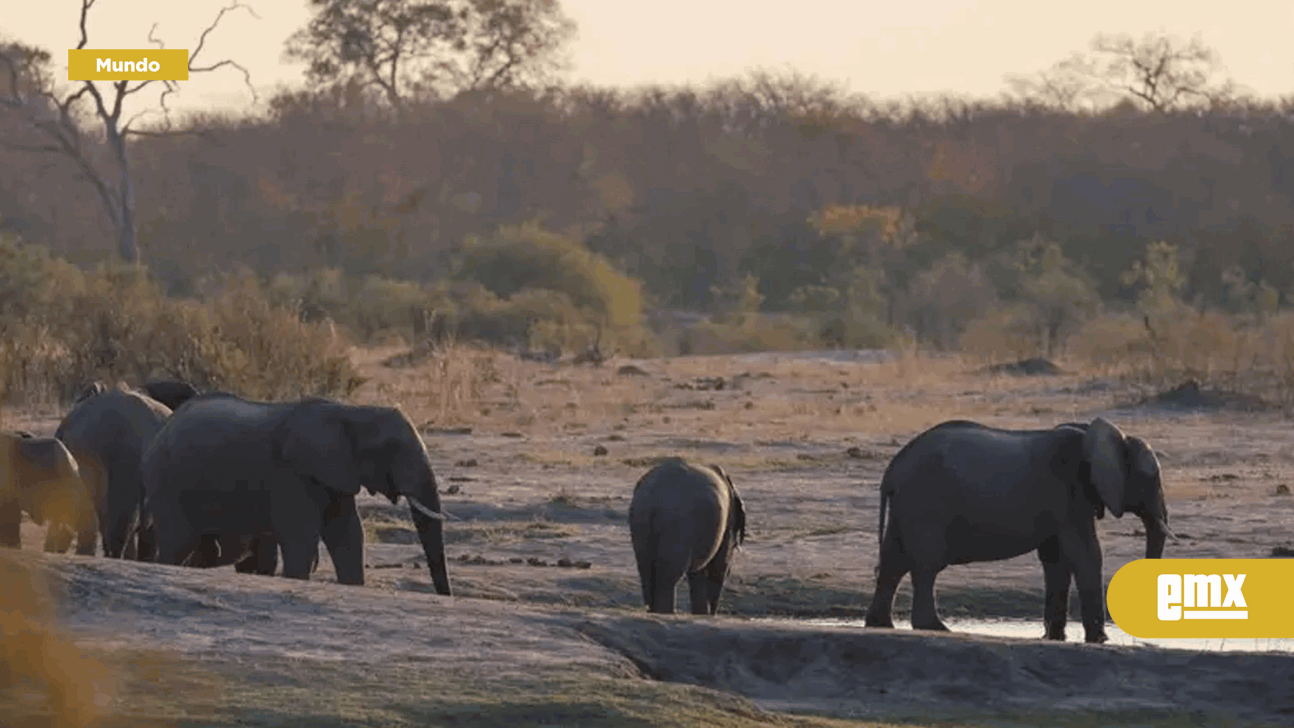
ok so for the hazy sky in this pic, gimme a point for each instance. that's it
(882, 49)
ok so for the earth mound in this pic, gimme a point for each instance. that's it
(1190, 395)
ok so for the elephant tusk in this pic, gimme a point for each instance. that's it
(1163, 526)
(424, 510)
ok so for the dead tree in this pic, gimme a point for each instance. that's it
(48, 119)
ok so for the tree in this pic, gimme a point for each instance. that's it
(1160, 276)
(1162, 72)
(406, 48)
(54, 121)
(1060, 88)
(1058, 293)
(946, 296)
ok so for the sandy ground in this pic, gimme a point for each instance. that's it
(536, 465)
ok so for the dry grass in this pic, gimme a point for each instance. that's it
(43, 676)
(786, 397)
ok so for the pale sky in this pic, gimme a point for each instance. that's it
(882, 49)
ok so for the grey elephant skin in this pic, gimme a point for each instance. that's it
(38, 475)
(107, 430)
(170, 393)
(238, 473)
(685, 519)
(962, 492)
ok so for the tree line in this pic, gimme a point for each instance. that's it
(1130, 171)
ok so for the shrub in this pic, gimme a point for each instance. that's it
(526, 257)
(115, 323)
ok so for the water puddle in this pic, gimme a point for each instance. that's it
(1032, 629)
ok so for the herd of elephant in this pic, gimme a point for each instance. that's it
(166, 474)
(170, 475)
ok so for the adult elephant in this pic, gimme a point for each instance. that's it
(38, 475)
(237, 473)
(962, 492)
(107, 430)
(685, 519)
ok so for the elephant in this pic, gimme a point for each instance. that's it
(40, 476)
(107, 430)
(685, 518)
(170, 393)
(237, 474)
(962, 492)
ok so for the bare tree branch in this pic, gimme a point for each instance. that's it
(32, 96)
(1163, 72)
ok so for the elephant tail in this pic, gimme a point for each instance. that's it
(646, 548)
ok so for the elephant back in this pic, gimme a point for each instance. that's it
(676, 487)
(45, 455)
(115, 416)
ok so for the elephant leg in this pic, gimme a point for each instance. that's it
(925, 615)
(698, 592)
(144, 544)
(891, 570)
(713, 576)
(173, 540)
(1056, 577)
(343, 535)
(263, 560)
(115, 536)
(298, 557)
(58, 538)
(87, 536)
(11, 525)
(664, 577)
(1081, 552)
(177, 550)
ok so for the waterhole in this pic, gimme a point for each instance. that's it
(1032, 629)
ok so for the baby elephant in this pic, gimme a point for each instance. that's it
(38, 475)
(685, 519)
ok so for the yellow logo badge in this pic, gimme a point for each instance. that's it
(1203, 598)
(124, 64)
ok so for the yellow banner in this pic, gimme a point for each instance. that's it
(1204, 598)
(133, 64)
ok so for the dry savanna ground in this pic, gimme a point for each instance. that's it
(536, 464)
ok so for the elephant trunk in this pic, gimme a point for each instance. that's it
(431, 531)
(1156, 534)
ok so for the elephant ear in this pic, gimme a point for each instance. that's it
(1143, 458)
(737, 509)
(1104, 447)
(738, 516)
(315, 442)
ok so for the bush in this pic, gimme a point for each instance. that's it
(755, 332)
(115, 323)
(526, 257)
(1005, 332)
